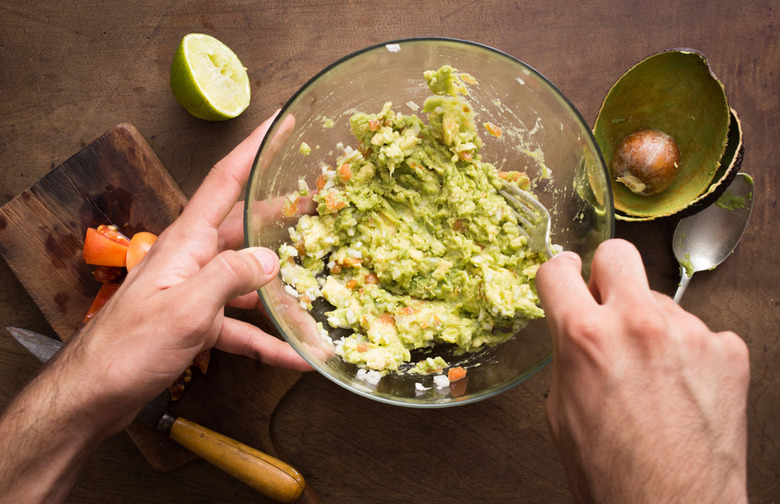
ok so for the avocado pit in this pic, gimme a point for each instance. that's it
(646, 162)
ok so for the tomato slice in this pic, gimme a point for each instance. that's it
(103, 295)
(140, 244)
(105, 246)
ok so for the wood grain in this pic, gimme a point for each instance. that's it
(70, 71)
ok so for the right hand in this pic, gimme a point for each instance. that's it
(646, 404)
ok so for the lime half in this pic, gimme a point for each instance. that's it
(208, 79)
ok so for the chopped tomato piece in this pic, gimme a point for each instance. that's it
(321, 181)
(493, 129)
(466, 155)
(105, 246)
(290, 206)
(511, 176)
(520, 178)
(140, 244)
(331, 203)
(456, 373)
(408, 310)
(104, 294)
(351, 262)
(345, 172)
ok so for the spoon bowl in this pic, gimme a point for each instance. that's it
(704, 240)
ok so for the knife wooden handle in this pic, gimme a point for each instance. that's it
(266, 474)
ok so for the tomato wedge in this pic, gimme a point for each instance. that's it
(105, 246)
(456, 373)
(103, 295)
(140, 244)
(113, 254)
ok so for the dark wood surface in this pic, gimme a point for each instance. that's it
(71, 71)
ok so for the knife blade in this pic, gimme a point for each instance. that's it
(266, 474)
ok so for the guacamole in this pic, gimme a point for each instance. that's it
(412, 246)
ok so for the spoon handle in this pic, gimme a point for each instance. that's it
(684, 279)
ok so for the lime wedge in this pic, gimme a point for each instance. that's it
(208, 79)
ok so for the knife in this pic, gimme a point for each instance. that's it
(266, 474)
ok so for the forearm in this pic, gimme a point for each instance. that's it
(701, 481)
(47, 433)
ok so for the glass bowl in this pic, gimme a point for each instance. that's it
(544, 135)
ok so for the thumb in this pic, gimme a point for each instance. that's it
(230, 274)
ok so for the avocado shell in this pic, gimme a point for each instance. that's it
(674, 92)
(730, 164)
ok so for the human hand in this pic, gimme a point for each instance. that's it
(646, 404)
(171, 306)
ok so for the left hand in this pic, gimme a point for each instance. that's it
(171, 306)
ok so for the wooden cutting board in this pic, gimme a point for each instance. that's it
(119, 180)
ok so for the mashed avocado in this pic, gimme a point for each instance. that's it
(412, 245)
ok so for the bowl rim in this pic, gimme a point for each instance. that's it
(454, 401)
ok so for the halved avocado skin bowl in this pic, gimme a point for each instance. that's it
(675, 92)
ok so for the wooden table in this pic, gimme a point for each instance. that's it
(69, 71)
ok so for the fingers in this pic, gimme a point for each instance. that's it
(231, 231)
(275, 143)
(245, 301)
(617, 272)
(563, 293)
(229, 275)
(617, 275)
(560, 284)
(242, 338)
(224, 183)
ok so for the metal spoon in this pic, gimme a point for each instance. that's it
(706, 239)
